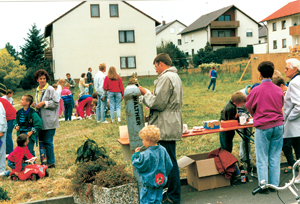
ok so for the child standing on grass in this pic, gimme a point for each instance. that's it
(28, 122)
(154, 165)
(229, 112)
(213, 78)
(15, 160)
(67, 97)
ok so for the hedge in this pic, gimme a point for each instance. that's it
(233, 52)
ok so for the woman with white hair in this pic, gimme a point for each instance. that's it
(291, 112)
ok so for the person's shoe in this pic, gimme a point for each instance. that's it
(297, 181)
(50, 165)
(119, 119)
(207, 89)
(264, 191)
(98, 121)
(105, 121)
(5, 173)
(89, 117)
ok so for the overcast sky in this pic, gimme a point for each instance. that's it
(16, 17)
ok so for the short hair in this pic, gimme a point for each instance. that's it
(151, 132)
(9, 91)
(61, 81)
(89, 68)
(95, 95)
(213, 67)
(164, 58)
(276, 73)
(294, 62)
(94, 101)
(39, 73)
(68, 74)
(21, 139)
(102, 66)
(28, 98)
(54, 85)
(278, 81)
(266, 69)
(67, 85)
(82, 75)
(238, 97)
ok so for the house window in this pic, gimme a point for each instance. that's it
(224, 18)
(126, 36)
(274, 27)
(275, 44)
(221, 33)
(113, 10)
(172, 30)
(187, 53)
(95, 12)
(249, 33)
(192, 37)
(127, 62)
(283, 43)
(179, 41)
(283, 24)
(193, 52)
(186, 39)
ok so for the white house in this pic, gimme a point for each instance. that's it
(284, 28)
(93, 32)
(226, 27)
(169, 32)
(262, 46)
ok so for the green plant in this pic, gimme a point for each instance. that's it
(3, 194)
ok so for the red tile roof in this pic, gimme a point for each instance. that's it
(289, 9)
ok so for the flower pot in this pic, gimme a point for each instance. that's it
(127, 193)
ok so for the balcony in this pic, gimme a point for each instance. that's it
(225, 24)
(295, 30)
(48, 53)
(225, 40)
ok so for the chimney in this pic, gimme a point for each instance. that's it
(164, 23)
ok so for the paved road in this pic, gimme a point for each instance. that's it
(237, 194)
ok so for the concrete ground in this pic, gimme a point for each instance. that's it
(238, 194)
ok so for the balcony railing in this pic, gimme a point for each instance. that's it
(295, 30)
(224, 40)
(225, 24)
(48, 53)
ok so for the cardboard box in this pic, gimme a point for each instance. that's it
(202, 173)
(229, 123)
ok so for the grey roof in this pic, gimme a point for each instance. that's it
(158, 29)
(206, 19)
(262, 31)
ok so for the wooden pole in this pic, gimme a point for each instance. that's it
(239, 81)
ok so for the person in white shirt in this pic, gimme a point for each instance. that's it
(8, 96)
(102, 94)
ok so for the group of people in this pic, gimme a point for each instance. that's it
(274, 106)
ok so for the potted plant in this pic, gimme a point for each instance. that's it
(99, 179)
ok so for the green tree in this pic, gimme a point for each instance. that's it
(11, 50)
(32, 56)
(178, 57)
(11, 72)
(205, 55)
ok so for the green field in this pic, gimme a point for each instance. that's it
(198, 105)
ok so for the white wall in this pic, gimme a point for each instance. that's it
(260, 48)
(81, 41)
(245, 24)
(167, 36)
(200, 39)
(279, 34)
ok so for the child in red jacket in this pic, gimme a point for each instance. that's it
(15, 158)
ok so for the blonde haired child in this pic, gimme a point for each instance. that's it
(153, 164)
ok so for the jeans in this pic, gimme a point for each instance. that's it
(91, 89)
(212, 82)
(12, 165)
(9, 141)
(287, 149)
(226, 140)
(268, 146)
(3, 152)
(68, 110)
(115, 102)
(151, 195)
(100, 110)
(46, 136)
(173, 184)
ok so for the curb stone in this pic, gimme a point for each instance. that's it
(55, 200)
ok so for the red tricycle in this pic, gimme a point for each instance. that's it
(32, 172)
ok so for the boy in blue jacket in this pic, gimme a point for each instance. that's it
(153, 164)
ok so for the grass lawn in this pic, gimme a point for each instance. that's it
(198, 105)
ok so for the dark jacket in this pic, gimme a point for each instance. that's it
(229, 111)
